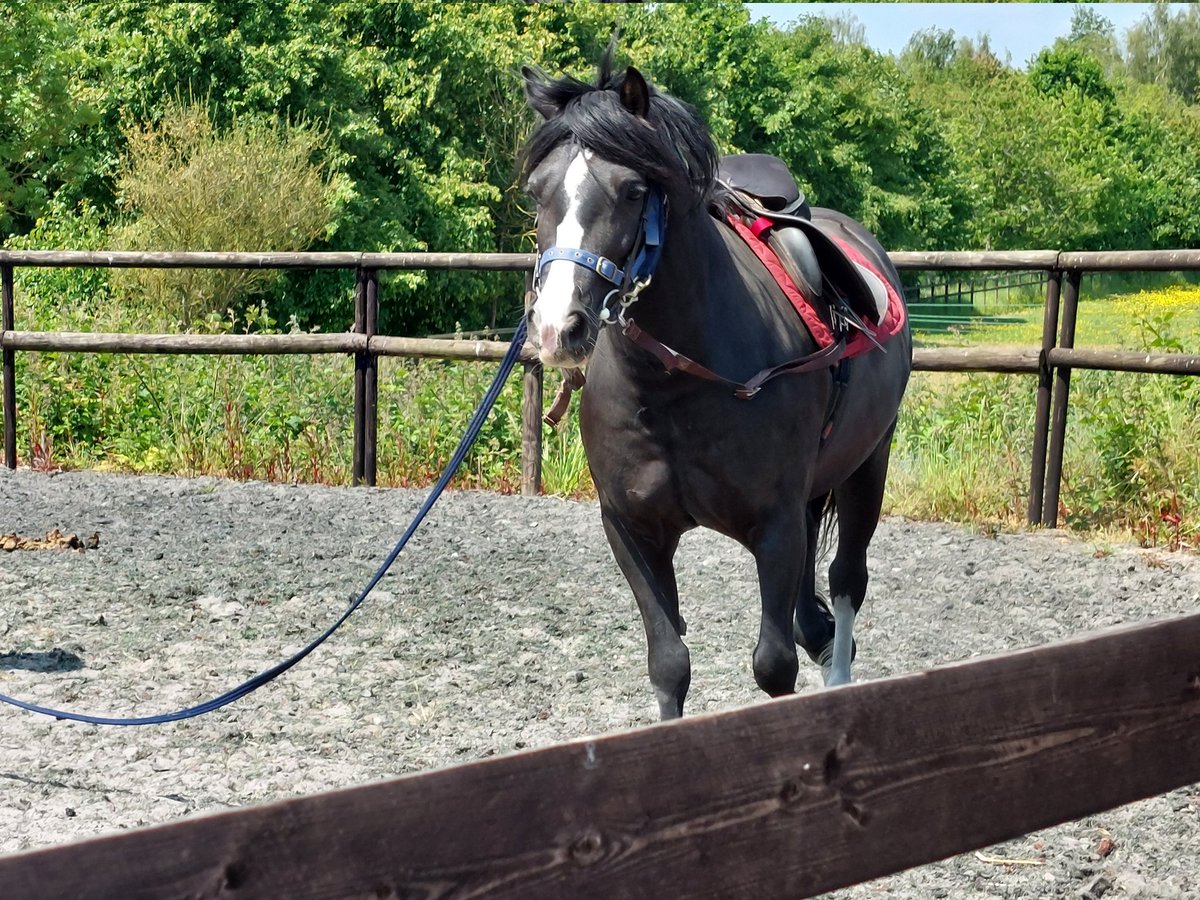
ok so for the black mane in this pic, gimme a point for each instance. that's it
(671, 147)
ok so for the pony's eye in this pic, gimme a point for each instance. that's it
(533, 190)
(636, 192)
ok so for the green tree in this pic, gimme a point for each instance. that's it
(1068, 66)
(41, 115)
(935, 48)
(1093, 33)
(1164, 49)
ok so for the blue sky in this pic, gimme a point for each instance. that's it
(1018, 29)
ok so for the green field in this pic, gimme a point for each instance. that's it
(963, 446)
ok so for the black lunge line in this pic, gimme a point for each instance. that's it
(477, 420)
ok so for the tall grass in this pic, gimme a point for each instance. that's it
(962, 448)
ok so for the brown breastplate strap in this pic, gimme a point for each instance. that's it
(673, 361)
(572, 381)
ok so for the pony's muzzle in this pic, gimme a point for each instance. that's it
(564, 341)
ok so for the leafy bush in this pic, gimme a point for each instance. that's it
(255, 187)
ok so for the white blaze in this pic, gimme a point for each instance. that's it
(558, 277)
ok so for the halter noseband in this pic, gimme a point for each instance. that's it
(646, 252)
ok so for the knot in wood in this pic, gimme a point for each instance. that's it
(234, 876)
(855, 813)
(588, 848)
(790, 792)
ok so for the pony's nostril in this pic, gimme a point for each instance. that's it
(574, 331)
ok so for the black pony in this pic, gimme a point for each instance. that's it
(684, 330)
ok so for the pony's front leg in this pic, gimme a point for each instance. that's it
(647, 566)
(779, 555)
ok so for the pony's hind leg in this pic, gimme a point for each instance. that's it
(648, 567)
(859, 500)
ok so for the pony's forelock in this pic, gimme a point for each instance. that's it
(671, 147)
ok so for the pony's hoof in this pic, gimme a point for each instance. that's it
(825, 656)
(825, 660)
(834, 681)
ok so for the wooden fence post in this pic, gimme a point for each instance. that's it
(371, 385)
(360, 326)
(10, 370)
(1062, 391)
(1041, 422)
(532, 388)
(366, 379)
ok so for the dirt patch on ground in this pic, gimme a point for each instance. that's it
(505, 625)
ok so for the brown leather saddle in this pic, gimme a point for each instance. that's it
(764, 188)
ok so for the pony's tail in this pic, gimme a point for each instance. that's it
(826, 522)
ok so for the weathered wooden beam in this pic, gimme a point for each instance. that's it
(1160, 260)
(220, 344)
(1131, 260)
(970, 259)
(532, 399)
(1060, 400)
(250, 344)
(511, 262)
(532, 391)
(1041, 417)
(784, 799)
(420, 348)
(929, 359)
(1126, 361)
(975, 359)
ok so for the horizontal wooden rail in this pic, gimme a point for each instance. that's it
(1019, 360)
(990, 260)
(928, 359)
(996, 260)
(1130, 260)
(975, 359)
(252, 344)
(1126, 361)
(513, 262)
(183, 344)
(784, 799)
(430, 348)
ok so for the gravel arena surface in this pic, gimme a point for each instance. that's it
(505, 625)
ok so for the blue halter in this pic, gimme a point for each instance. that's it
(646, 253)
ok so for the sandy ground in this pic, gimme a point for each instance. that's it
(505, 625)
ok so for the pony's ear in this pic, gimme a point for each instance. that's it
(537, 94)
(635, 93)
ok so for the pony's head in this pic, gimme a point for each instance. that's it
(602, 169)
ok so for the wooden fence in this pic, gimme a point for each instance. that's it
(1052, 362)
(784, 799)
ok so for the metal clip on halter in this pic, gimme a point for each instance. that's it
(627, 300)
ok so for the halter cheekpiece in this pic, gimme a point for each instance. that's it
(639, 267)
